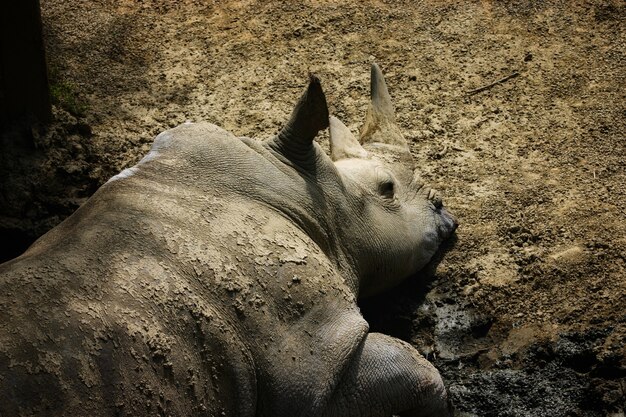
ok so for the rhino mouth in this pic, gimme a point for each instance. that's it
(448, 223)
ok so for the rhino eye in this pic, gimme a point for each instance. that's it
(387, 189)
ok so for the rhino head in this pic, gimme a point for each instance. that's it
(407, 220)
(390, 223)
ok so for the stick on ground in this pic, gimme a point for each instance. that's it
(488, 86)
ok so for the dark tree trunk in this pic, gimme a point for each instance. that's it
(24, 94)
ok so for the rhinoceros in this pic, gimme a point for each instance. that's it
(220, 275)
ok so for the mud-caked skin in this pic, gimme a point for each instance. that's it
(219, 276)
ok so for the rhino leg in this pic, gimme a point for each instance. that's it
(389, 377)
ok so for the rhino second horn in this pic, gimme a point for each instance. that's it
(343, 144)
(380, 121)
(379, 95)
(310, 115)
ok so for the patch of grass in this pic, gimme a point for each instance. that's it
(65, 94)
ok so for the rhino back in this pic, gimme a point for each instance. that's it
(171, 289)
(116, 334)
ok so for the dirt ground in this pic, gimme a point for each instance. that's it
(525, 314)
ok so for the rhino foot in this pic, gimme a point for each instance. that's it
(389, 377)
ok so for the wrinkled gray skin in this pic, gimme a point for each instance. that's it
(219, 276)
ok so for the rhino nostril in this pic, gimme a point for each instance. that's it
(435, 198)
(437, 201)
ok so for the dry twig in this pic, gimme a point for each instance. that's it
(488, 86)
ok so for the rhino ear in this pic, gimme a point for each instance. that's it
(380, 122)
(295, 140)
(343, 144)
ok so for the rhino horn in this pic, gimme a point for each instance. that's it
(310, 115)
(380, 122)
(343, 144)
(379, 94)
